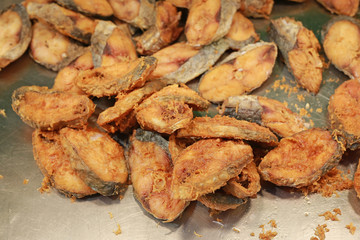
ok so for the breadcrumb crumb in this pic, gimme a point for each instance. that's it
(236, 229)
(320, 232)
(73, 199)
(329, 216)
(45, 185)
(252, 234)
(25, 181)
(272, 223)
(196, 234)
(111, 215)
(118, 230)
(3, 113)
(351, 228)
(1, 176)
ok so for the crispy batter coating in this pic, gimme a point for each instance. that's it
(227, 127)
(55, 165)
(151, 172)
(221, 201)
(176, 145)
(255, 8)
(181, 3)
(344, 112)
(95, 8)
(357, 181)
(301, 159)
(97, 158)
(207, 165)
(343, 7)
(43, 108)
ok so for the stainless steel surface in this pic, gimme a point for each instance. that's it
(27, 214)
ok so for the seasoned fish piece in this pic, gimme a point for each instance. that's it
(208, 21)
(357, 181)
(207, 165)
(241, 32)
(97, 158)
(172, 58)
(181, 3)
(43, 108)
(267, 112)
(116, 78)
(55, 165)
(255, 8)
(341, 40)
(176, 145)
(110, 45)
(151, 172)
(15, 33)
(221, 201)
(343, 7)
(199, 63)
(300, 49)
(139, 13)
(165, 31)
(65, 79)
(302, 159)
(94, 8)
(247, 184)
(52, 49)
(344, 112)
(113, 117)
(227, 127)
(239, 73)
(69, 23)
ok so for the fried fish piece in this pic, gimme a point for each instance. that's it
(113, 118)
(267, 112)
(55, 165)
(47, 109)
(51, 49)
(171, 58)
(97, 158)
(139, 13)
(15, 33)
(357, 180)
(221, 201)
(207, 165)
(67, 22)
(300, 49)
(227, 127)
(208, 21)
(181, 3)
(151, 174)
(341, 40)
(343, 7)
(255, 8)
(241, 32)
(176, 145)
(116, 78)
(239, 73)
(165, 31)
(344, 112)
(247, 184)
(302, 159)
(94, 8)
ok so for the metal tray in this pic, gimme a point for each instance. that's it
(27, 214)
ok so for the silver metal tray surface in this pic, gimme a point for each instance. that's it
(26, 214)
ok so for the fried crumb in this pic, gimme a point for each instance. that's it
(351, 228)
(320, 232)
(3, 113)
(329, 216)
(319, 110)
(73, 199)
(252, 234)
(196, 234)
(111, 215)
(301, 98)
(1, 176)
(268, 235)
(219, 220)
(45, 185)
(213, 212)
(272, 223)
(337, 211)
(236, 229)
(118, 230)
(25, 181)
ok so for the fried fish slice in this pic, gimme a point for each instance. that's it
(171, 58)
(165, 31)
(247, 184)
(208, 21)
(207, 165)
(344, 112)
(112, 118)
(255, 8)
(199, 63)
(97, 158)
(116, 78)
(181, 3)
(94, 8)
(267, 112)
(110, 45)
(46, 109)
(176, 145)
(221, 201)
(302, 159)
(15, 33)
(341, 41)
(69, 23)
(139, 13)
(55, 165)
(239, 73)
(343, 7)
(300, 49)
(357, 180)
(52, 49)
(151, 172)
(226, 127)
(241, 32)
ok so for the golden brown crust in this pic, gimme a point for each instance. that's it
(95, 8)
(357, 181)
(343, 7)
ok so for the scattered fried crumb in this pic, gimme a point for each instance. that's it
(118, 230)
(272, 223)
(73, 199)
(45, 185)
(319, 110)
(268, 235)
(304, 113)
(196, 234)
(337, 211)
(111, 215)
(311, 123)
(3, 113)
(301, 98)
(213, 212)
(329, 184)
(25, 181)
(320, 232)
(1, 176)
(252, 234)
(236, 229)
(286, 103)
(333, 80)
(351, 228)
(219, 220)
(329, 216)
